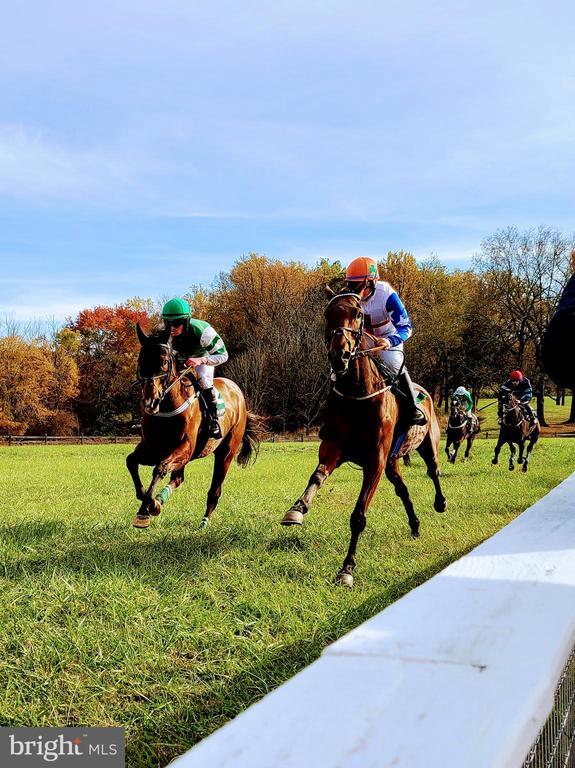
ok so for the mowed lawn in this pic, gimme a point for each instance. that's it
(172, 631)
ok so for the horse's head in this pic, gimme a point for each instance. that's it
(343, 330)
(511, 410)
(155, 368)
(457, 410)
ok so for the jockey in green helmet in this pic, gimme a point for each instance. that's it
(198, 346)
(462, 396)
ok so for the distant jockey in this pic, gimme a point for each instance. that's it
(520, 386)
(198, 347)
(461, 395)
(386, 318)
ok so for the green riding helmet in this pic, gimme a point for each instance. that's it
(176, 309)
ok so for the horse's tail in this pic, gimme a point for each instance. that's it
(254, 434)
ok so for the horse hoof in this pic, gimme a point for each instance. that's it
(440, 505)
(494, 461)
(511, 467)
(524, 468)
(204, 522)
(292, 517)
(155, 507)
(345, 579)
(141, 521)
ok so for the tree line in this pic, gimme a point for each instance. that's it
(470, 327)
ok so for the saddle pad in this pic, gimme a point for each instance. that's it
(408, 441)
(221, 404)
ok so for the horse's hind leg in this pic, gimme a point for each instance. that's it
(329, 459)
(223, 457)
(357, 521)
(394, 476)
(470, 440)
(429, 455)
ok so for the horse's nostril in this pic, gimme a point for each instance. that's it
(346, 355)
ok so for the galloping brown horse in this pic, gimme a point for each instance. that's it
(458, 430)
(362, 424)
(173, 432)
(515, 429)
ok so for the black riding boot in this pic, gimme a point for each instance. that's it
(210, 399)
(409, 406)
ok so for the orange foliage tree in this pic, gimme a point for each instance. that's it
(107, 353)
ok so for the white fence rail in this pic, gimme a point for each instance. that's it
(459, 673)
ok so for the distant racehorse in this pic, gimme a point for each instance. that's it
(516, 430)
(363, 424)
(458, 430)
(174, 433)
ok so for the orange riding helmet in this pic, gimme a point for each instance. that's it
(362, 268)
(516, 376)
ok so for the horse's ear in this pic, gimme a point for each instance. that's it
(329, 292)
(141, 335)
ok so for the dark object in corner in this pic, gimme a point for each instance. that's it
(559, 340)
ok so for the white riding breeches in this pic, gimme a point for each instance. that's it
(393, 358)
(205, 375)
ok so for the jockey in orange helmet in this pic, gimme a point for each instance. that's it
(520, 386)
(386, 318)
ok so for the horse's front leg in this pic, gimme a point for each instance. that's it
(132, 463)
(358, 519)
(498, 447)
(151, 505)
(470, 440)
(512, 450)
(329, 459)
(447, 447)
(456, 445)
(530, 445)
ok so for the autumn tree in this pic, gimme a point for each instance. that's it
(107, 353)
(525, 272)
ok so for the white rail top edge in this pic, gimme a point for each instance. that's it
(459, 673)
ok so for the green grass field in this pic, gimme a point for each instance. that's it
(172, 631)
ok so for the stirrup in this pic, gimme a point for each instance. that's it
(214, 428)
(418, 418)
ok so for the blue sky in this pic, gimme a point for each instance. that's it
(145, 146)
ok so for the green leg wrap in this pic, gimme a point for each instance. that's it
(164, 494)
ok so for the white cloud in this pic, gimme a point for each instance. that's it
(31, 165)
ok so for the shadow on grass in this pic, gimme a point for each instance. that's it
(150, 559)
(173, 732)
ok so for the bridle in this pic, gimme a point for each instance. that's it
(516, 408)
(143, 380)
(355, 352)
(456, 410)
(355, 333)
